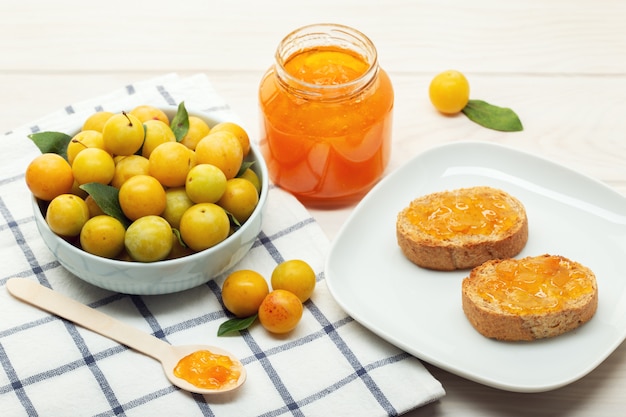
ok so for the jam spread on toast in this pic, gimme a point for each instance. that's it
(450, 214)
(535, 285)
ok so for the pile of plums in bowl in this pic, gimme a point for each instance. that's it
(150, 200)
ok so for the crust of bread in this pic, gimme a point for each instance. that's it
(461, 251)
(490, 320)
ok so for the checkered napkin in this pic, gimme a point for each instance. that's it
(328, 366)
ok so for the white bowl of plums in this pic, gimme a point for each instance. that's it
(149, 200)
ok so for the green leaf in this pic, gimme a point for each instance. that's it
(179, 237)
(244, 165)
(51, 142)
(107, 198)
(180, 122)
(233, 220)
(492, 117)
(235, 325)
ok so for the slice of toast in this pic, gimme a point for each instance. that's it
(462, 228)
(529, 298)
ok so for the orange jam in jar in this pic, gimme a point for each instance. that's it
(326, 120)
(450, 214)
(536, 284)
(206, 369)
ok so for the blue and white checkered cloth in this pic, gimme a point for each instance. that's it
(329, 366)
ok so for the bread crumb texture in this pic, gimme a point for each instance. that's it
(529, 298)
(462, 228)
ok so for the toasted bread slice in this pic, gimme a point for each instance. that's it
(462, 228)
(530, 298)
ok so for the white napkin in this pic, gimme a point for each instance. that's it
(329, 365)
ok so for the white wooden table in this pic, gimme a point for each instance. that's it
(561, 65)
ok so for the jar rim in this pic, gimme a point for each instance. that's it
(325, 34)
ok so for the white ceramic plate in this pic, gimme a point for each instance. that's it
(420, 311)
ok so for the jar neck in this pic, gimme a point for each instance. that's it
(329, 37)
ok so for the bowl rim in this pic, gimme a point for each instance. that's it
(259, 163)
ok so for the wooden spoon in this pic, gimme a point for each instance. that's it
(89, 318)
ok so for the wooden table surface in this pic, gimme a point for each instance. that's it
(561, 65)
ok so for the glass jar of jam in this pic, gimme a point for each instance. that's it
(326, 109)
